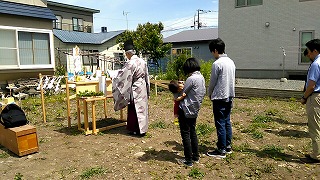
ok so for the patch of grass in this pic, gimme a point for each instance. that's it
(273, 151)
(158, 125)
(204, 130)
(292, 99)
(253, 129)
(60, 98)
(259, 121)
(230, 157)
(272, 112)
(44, 139)
(18, 176)
(257, 134)
(148, 135)
(262, 119)
(205, 142)
(242, 109)
(241, 148)
(4, 155)
(196, 173)
(90, 172)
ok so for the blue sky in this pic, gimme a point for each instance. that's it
(174, 14)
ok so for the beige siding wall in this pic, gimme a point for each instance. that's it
(67, 15)
(255, 47)
(17, 21)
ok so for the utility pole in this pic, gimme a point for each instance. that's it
(126, 14)
(203, 11)
(199, 18)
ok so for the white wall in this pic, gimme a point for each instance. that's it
(253, 46)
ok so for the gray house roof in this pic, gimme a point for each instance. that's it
(25, 10)
(193, 35)
(85, 38)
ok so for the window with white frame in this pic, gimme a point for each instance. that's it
(77, 24)
(184, 50)
(24, 49)
(8, 47)
(33, 48)
(244, 3)
(305, 36)
(57, 24)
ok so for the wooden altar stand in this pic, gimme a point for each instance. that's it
(83, 105)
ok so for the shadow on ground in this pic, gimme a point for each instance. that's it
(166, 155)
(290, 133)
(73, 130)
(276, 155)
(282, 121)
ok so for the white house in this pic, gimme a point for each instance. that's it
(256, 33)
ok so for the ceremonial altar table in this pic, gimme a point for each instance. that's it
(82, 105)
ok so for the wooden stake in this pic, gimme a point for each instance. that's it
(42, 99)
(68, 101)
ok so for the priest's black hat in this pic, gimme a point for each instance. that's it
(128, 45)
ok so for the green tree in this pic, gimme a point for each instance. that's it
(147, 39)
(174, 68)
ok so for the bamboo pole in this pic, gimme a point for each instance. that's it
(155, 86)
(42, 99)
(68, 101)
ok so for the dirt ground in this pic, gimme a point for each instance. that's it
(270, 136)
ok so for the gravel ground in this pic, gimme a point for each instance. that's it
(271, 84)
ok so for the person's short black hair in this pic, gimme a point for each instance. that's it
(217, 44)
(313, 44)
(305, 52)
(191, 65)
(173, 86)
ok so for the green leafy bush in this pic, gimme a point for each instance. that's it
(174, 68)
(60, 70)
(206, 69)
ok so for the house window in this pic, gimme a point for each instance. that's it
(77, 24)
(57, 24)
(178, 51)
(33, 48)
(305, 36)
(244, 3)
(8, 47)
(24, 49)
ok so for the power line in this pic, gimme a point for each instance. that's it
(175, 29)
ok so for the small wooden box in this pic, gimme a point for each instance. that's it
(21, 140)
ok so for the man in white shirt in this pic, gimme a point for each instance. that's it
(221, 91)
